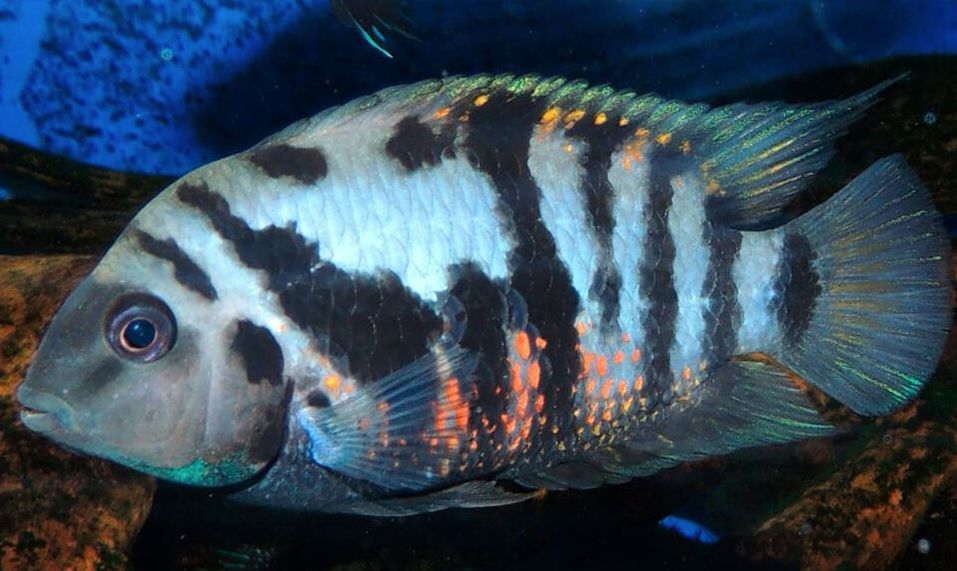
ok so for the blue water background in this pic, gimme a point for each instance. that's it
(161, 86)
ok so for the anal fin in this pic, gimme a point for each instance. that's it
(473, 494)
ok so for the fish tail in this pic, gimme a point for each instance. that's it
(863, 295)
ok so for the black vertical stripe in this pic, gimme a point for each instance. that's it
(723, 315)
(414, 145)
(797, 287)
(656, 278)
(602, 141)
(485, 333)
(185, 270)
(260, 353)
(497, 142)
(374, 321)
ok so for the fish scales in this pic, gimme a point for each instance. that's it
(490, 278)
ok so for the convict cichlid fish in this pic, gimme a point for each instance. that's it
(396, 305)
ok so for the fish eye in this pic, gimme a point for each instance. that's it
(140, 327)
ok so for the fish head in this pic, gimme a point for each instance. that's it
(136, 369)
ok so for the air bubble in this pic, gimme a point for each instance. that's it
(166, 54)
(930, 118)
(923, 546)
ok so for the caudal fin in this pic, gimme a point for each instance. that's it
(865, 304)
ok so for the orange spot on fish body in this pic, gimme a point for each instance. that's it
(539, 403)
(623, 121)
(433, 442)
(632, 155)
(534, 374)
(590, 386)
(622, 387)
(626, 404)
(516, 377)
(587, 360)
(625, 337)
(568, 148)
(639, 382)
(551, 115)
(602, 366)
(663, 139)
(383, 407)
(480, 100)
(540, 343)
(332, 382)
(523, 345)
(581, 328)
(458, 406)
(601, 118)
(548, 121)
(522, 404)
(527, 428)
(686, 373)
(606, 389)
(636, 355)
(441, 113)
(508, 423)
(619, 357)
(606, 416)
(573, 117)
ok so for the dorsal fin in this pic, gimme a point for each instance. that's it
(753, 158)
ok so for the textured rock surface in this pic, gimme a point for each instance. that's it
(57, 510)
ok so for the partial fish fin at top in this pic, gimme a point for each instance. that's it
(739, 405)
(864, 297)
(405, 432)
(759, 156)
(374, 19)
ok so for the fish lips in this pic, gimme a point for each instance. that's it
(44, 413)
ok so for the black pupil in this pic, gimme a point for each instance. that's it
(139, 334)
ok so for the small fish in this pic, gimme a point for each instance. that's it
(399, 303)
(373, 19)
(689, 529)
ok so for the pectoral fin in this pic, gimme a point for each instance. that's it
(405, 432)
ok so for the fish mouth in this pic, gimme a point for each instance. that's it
(43, 412)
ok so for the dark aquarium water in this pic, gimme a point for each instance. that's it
(103, 103)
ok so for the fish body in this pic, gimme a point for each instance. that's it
(392, 306)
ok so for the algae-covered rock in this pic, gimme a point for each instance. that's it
(60, 206)
(57, 510)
